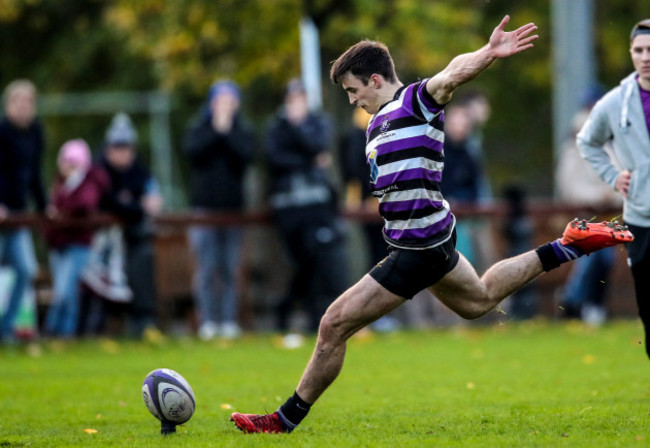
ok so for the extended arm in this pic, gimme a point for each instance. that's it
(465, 67)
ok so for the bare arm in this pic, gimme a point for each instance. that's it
(465, 67)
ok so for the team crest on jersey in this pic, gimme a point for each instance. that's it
(385, 124)
(374, 169)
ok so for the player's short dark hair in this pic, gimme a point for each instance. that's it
(642, 27)
(362, 60)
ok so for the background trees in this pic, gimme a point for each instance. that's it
(183, 46)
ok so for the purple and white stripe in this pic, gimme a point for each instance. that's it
(409, 180)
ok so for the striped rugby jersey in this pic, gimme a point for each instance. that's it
(404, 148)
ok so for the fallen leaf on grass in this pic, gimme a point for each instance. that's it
(588, 359)
(109, 346)
(34, 350)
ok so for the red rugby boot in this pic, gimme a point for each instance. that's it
(252, 423)
(589, 237)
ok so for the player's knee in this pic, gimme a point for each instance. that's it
(471, 311)
(327, 328)
(331, 327)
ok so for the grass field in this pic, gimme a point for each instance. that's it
(512, 385)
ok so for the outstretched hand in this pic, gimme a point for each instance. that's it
(506, 43)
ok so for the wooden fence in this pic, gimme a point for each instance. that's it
(261, 253)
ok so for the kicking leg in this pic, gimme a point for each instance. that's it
(471, 297)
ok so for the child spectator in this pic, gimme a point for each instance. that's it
(76, 193)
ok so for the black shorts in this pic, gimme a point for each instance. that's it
(406, 272)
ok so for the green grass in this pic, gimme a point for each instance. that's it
(514, 385)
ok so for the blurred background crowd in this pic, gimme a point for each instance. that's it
(230, 174)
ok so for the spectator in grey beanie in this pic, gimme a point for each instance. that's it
(134, 197)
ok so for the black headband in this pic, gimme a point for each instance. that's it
(639, 29)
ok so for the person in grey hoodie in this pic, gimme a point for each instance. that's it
(622, 118)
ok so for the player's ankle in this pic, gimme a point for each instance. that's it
(555, 253)
(293, 411)
(288, 424)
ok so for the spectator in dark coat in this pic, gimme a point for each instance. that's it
(219, 147)
(21, 150)
(304, 206)
(462, 180)
(356, 176)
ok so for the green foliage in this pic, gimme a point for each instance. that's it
(192, 43)
(529, 384)
(183, 46)
(67, 46)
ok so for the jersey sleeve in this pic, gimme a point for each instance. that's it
(423, 103)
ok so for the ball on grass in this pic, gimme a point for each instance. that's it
(169, 398)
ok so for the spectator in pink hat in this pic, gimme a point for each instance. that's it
(76, 193)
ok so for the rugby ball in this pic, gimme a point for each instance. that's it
(168, 396)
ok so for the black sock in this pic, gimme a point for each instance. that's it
(294, 410)
(553, 254)
(547, 256)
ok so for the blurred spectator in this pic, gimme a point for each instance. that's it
(21, 150)
(462, 169)
(478, 108)
(577, 183)
(356, 176)
(477, 105)
(518, 233)
(219, 148)
(304, 206)
(76, 193)
(461, 181)
(134, 197)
